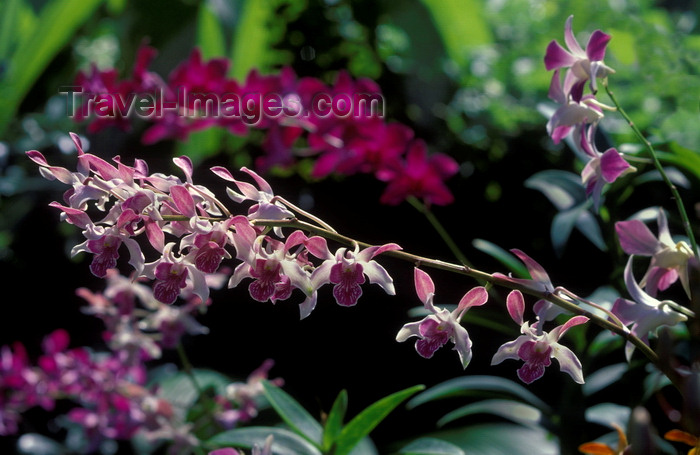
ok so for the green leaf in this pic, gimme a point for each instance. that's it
(181, 392)
(36, 444)
(461, 25)
(501, 438)
(603, 377)
(210, 33)
(608, 413)
(682, 157)
(334, 421)
(293, 413)
(284, 441)
(509, 260)
(250, 40)
(521, 413)
(474, 385)
(369, 418)
(562, 188)
(57, 23)
(9, 13)
(431, 446)
(201, 144)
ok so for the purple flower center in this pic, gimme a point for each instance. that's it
(537, 356)
(434, 334)
(347, 279)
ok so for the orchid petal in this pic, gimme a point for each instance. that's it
(595, 49)
(568, 362)
(424, 285)
(463, 344)
(636, 238)
(515, 303)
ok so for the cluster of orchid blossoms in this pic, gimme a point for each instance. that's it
(294, 113)
(579, 114)
(110, 390)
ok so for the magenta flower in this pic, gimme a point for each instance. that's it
(644, 314)
(538, 281)
(421, 176)
(669, 259)
(583, 65)
(436, 329)
(536, 347)
(574, 112)
(602, 168)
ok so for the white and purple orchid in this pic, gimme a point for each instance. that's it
(669, 259)
(584, 65)
(441, 326)
(645, 314)
(536, 347)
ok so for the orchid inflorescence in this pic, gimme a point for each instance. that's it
(196, 242)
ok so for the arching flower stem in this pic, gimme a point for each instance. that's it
(652, 153)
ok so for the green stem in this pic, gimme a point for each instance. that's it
(657, 164)
(187, 367)
(442, 232)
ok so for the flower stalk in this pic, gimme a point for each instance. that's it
(652, 153)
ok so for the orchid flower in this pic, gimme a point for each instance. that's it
(538, 281)
(584, 65)
(573, 113)
(347, 271)
(602, 168)
(645, 314)
(669, 259)
(442, 325)
(536, 347)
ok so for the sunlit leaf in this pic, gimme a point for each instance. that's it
(608, 413)
(334, 421)
(499, 439)
(363, 423)
(284, 441)
(512, 410)
(57, 21)
(509, 260)
(603, 377)
(431, 446)
(293, 413)
(475, 385)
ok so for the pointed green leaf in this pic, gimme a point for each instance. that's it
(284, 442)
(293, 413)
(603, 377)
(474, 385)
(562, 188)
(210, 33)
(431, 446)
(368, 419)
(57, 22)
(250, 40)
(587, 224)
(461, 25)
(334, 421)
(509, 260)
(521, 413)
(608, 413)
(502, 438)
